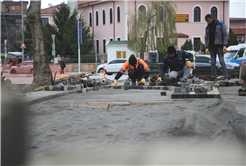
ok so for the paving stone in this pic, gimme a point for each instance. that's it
(95, 88)
(204, 89)
(177, 90)
(46, 88)
(50, 88)
(163, 93)
(79, 91)
(126, 88)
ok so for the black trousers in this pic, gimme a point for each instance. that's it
(139, 74)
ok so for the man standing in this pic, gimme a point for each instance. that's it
(179, 66)
(215, 42)
(62, 65)
(137, 69)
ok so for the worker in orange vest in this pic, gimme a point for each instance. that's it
(137, 69)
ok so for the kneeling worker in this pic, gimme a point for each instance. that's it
(176, 61)
(137, 69)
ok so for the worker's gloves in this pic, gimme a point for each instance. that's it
(224, 49)
(159, 79)
(115, 83)
(142, 82)
(206, 51)
(189, 64)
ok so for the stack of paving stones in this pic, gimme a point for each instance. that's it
(196, 88)
(79, 84)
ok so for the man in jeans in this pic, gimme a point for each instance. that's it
(179, 63)
(215, 42)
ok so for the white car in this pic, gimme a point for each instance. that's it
(112, 66)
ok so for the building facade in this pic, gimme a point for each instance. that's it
(238, 27)
(109, 19)
(11, 23)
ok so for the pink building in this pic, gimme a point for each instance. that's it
(108, 19)
(238, 27)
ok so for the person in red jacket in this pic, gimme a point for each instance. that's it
(137, 69)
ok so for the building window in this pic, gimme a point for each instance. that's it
(45, 21)
(141, 11)
(104, 18)
(111, 15)
(90, 18)
(104, 46)
(118, 39)
(197, 44)
(197, 14)
(96, 18)
(118, 14)
(239, 39)
(214, 12)
(97, 42)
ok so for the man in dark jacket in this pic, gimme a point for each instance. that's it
(216, 37)
(179, 66)
(62, 65)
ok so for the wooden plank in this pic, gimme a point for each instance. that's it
(91, 105)
(157, 102)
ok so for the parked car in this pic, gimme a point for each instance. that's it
(239, 57)
(112, 66)
(24, 67)
(205, 61)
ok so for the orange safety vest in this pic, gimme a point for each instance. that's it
(128, 67)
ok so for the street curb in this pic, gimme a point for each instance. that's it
(51, 96)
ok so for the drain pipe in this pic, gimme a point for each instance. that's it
(114, 21)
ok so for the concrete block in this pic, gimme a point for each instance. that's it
(95, 88)
(50, 88)
(84, 90)
(232, 83)
(126, 87)
(227, 84)
(204, 89)
(237, 83)
(197, 90)
(79, 91)
(65, 88)
(56, 88)
(127, 83)
(177, 90)
(117, 87)
(156, 87)
(46, 88)
(163, 93)
(187, 89)
(152, 83)
(222, 84)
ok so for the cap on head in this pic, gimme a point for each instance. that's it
(171, 50)
(132, 60)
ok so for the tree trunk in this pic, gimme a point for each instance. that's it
(42, 73)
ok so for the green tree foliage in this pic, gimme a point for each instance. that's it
(202, 47)
(152, 29)
(66, 32)
(232, 39)
(27, 40)
(187, 45)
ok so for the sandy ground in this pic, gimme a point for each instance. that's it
(181, 132)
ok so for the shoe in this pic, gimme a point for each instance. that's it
(183, 80)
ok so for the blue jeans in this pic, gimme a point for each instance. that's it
(139, 74)
(184, 73)
(213, 51)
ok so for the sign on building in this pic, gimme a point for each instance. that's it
(181, 17)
